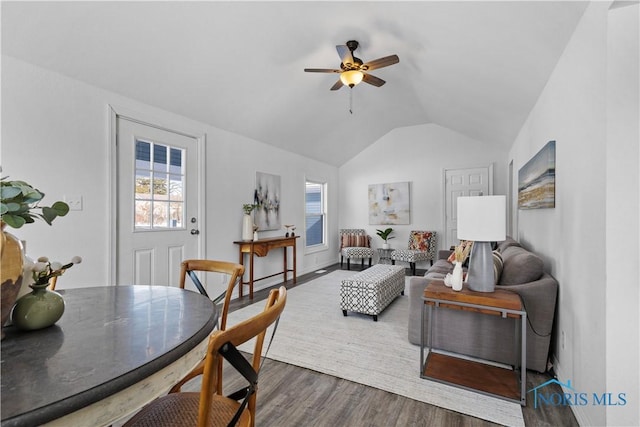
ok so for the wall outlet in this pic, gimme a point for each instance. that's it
(563, 340)
(74, 202)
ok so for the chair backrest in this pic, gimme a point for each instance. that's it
(354, 237)
(235, 272)
(254, 327)
(423, 241)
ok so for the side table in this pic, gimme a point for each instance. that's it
(384, 256)
(470, 374)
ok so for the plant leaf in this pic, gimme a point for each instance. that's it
(61, 208)
(9, 192)
(49, 214)
(13, 220)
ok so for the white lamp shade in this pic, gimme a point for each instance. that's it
(351, 78)
(482, 218)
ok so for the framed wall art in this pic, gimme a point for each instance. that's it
(267, 197)
(389, 203)
(537, 180)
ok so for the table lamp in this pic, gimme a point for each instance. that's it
(481, 219)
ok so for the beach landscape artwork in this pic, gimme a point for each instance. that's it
(389, 203)
(266, 197)
(537, 180)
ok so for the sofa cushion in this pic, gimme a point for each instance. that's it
(506, 243)
(520, 266)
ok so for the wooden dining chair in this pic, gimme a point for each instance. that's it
(210, 407)
(189, 268)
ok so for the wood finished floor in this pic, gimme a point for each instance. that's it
(293, 396)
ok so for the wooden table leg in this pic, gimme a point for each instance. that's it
(294, 261)
(251, 274)
(241, 278)
(284, 269)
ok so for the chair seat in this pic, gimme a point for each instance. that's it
(181, 409)
(357, 252)
(410, 255)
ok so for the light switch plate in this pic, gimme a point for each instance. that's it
(74, 202)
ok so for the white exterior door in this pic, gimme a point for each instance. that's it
(157, 197)
(462, 182)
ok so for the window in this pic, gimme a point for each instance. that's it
(159, 196)
(316, 217)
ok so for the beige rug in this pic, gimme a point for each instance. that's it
(314, 334)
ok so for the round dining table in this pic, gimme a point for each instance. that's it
(115, 349)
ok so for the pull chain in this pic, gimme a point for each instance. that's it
(351, 100)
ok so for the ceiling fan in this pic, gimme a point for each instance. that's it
(352, 70)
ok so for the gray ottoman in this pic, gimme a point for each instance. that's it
(372, 290)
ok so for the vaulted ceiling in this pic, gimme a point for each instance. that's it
(475, 67)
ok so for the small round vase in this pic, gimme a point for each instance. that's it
(37, 310)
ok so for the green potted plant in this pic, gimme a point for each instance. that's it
(385, 235)
(20, 204)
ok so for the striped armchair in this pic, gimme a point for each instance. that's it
(422, 247)
(355, 243)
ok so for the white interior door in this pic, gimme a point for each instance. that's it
(157, 196)
(462, 182)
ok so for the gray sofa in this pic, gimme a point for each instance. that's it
(491, 337)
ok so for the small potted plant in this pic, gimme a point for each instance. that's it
(385, 235)
(20, 204)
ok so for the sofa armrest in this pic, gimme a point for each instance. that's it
(539, 300)
(444, 253)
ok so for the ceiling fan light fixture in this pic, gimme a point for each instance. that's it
(351, 78)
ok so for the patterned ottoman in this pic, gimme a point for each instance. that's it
(372, 290)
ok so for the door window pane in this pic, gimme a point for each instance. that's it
(159, 192)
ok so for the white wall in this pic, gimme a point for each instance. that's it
(622, 200)
(417, 154)
(572, 238)
(55, 136)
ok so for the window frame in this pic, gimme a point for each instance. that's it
(323, 205)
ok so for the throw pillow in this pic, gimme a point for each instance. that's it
(498, 264)
(355, 240)
(520, 266)
(361, 241)
(419, 241)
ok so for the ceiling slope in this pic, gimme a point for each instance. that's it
(474, 67)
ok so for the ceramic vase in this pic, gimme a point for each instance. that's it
(456, 277)
(11, 265)
(27, 276)
(247, 227)
(37, 310)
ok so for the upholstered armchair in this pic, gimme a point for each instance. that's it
(422, 247)
(356, 244)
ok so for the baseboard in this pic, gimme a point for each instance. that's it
(562, 376)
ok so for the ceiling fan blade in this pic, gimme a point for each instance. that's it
(373, 80)
(345, 54)
(321, 70)
(338, 85)
(380, 62)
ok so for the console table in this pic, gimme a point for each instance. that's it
(261, 248)
(489, 379)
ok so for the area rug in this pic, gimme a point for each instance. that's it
(314, 334)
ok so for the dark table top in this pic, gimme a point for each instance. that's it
(108, 339)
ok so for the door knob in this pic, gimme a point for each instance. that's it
(195, 232)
